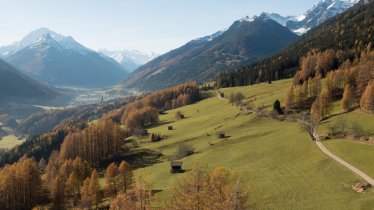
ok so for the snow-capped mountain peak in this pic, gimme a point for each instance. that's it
(247, 19)
(318, 14)
(129, 59)
(44, 38)
(209, 37)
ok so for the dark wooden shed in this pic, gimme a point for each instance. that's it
(221, 135)
(170, 127)
(176, 167)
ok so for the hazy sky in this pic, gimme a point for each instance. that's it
(147, 25)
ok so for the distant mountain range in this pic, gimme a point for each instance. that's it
(245, 41)
(61, 61)
(315, 16)
(130, 59)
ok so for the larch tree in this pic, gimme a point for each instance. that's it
(125, 176)
(348, 97)
(191, 192)
(367, 99)
(57, 192)
(86, 201)
(72, 186)
(324, 103)
(290, 98)
(122, 201)
(142, 193)
(110, 175)
(221, 189)
(94, 188)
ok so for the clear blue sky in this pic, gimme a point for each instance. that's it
(147, 25)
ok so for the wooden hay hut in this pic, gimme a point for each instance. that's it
(221, 135)
(170, 127)
(176, 167)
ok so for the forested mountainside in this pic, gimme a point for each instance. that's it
(346, 34)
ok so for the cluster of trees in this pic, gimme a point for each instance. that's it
(317, 63)
(347, 36)
(300, 96)
(64, 180)
(351, 82)
(41, 146)
(139, 198)
(21, 186)
(118, 178)
(126, 193)
(367, 99)
(141, 117)
(219, 189)
(144, 111)
(236, 98)
(93, 143)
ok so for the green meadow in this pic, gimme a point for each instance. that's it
(278, 162)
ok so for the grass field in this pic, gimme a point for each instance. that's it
(10, 141)
(278, 162)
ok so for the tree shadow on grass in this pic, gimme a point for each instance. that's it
(137, 158)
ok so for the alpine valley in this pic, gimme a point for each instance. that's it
(274, 112)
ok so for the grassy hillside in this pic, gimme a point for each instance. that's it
(10, 141)
(282, 167)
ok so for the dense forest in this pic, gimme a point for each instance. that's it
(346, 35)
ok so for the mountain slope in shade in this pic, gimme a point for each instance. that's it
(15, 86)
(201, 59)
(129, 59)
(318, 14)
(61, 61)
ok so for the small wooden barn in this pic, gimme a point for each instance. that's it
(176, 167)
(170, 128)
(221, 135)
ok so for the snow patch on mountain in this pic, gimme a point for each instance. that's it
(318, 14)
(130, 59)
(44, 38)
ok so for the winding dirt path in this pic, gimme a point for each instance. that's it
(341, 161)
(336, 158)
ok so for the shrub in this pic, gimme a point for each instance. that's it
(238, 97)
(277, 107)
(155, 137)
(357, 130)
(339, 128)
(184, 150)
